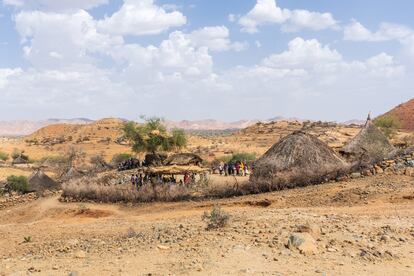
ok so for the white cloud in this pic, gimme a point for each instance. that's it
(5, 73)
(303, 53)
(55, 5)
(232, 17)
(387, 31)
(216, 39)
(74, 37)
(73, 72)
(141, 17)
(266, 12)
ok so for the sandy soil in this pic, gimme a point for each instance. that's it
(361, 227)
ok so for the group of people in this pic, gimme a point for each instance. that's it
(137, 180)
(238, 168)
(140, 180)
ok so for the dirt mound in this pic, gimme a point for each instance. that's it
(405, 113)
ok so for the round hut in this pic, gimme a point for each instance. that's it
(296, 160)
(20, 160)
(369, 146)
(39, 182)
(183, 159)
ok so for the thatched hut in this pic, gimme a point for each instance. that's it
(296, 160)
(154, 159)
(183, 159)
(72, 173)
(39, 182)
(20, 160)
(369, 146)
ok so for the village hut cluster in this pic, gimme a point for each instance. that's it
(298, 159)
(301, 159)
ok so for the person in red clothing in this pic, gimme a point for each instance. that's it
(238, 168)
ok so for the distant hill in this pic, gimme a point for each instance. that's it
(209, 124)
(103, 130)
(405, 113)
(26, 127)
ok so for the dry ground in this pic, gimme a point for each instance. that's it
(366, 228)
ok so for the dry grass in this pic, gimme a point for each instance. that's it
(88, 189)
(7, 171)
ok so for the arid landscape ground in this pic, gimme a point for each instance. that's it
(358, 227)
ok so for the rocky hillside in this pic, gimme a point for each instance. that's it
(405, 113)
(105, 130)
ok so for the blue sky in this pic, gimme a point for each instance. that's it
(220, 59)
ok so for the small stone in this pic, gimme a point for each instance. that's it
(80, 254)
(356, 175)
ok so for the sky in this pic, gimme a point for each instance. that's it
(197, 59)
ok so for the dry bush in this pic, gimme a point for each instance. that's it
(216, 218)
(88, 189)
(275, 181)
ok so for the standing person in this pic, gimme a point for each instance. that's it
(140, 181)
(133, 179)
(242, 168)
(237, 168)
(186, 179)
(226, 169)
(246, 170)
(221, 169)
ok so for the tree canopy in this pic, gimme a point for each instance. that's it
(152, 136)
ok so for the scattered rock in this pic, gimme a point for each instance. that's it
(303, 242)
(80, 254)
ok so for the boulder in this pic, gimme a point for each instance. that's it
(303, 242)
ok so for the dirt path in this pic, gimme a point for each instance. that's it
(360, 227)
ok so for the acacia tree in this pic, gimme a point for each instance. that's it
(152, 136)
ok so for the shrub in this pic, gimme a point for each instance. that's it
(388, 124)
(238, 157)
(27, 239)
(120, 157)
(18, 183)
(217, 218)
(4, 156)
(243, 156)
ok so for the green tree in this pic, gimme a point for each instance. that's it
(388, 124)
(152, 136)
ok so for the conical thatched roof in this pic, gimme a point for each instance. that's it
(19, 160)
(369, 144)
(39, 181)
(154, 159)
(299, 158)
(72, 173)
(183, 159)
